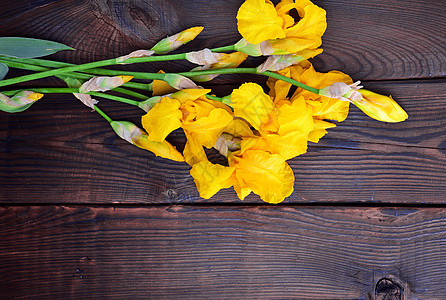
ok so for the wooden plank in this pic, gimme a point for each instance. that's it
(377, 39)
(58, 152)
(221, 252)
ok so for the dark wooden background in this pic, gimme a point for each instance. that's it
(85, 215)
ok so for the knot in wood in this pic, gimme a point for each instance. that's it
(388, 289)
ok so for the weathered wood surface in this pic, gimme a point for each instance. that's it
(61, 153)
(58, 152)
(125, 234)
(369, 40)
(220, 252)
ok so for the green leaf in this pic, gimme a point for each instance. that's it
(3, 70)
(72, 82)
(13, 109)
(29, 48)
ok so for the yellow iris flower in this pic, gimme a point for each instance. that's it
(202, 120)
(270, 30)
(267, 175)
(322, 107)
(283, 125)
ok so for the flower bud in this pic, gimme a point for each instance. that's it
(203, 57)
(175, 41)
(103, 83)
(179, 82)
(134, 135)
(380, 107)
(148, 104)
(19, 102)
(342, 91)
(280, 62)
(231, 60)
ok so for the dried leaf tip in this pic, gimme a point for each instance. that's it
(134, 54)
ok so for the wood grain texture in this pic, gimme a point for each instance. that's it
(58, 152)
(369, 40)
(220, 252)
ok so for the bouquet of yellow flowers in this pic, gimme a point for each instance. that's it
(256, 131)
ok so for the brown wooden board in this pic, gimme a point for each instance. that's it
(370, 40)
(224, 252)
(60, 152)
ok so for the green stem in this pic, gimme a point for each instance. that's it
(97, 64)
(214, 98)
(38, 68)
(292, 81)
(96, 108)
(130, 93)
(87, 66)
(116, 98)
(74, 90)
(251, 71)
(224, 49)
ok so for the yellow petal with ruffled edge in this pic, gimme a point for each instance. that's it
(319, 131)
(239, 128)
(267, 175)
(308, 30)
(287, 146)
(193, 151)
(190, 94)
(252, 104)
(258, 21)
(279, 89)
(323, 107)
(210, 178)
(294, 116)
(206, 130)
(162, 119)
(163, 149)
(380, 107)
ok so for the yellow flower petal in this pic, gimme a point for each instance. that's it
(278, 88)
(206, 130)
(163, 149)
(239, 128)
(134, 135)
(160, 87)
(319, 131)
(251, 103)
(189, 34)
(380, 107)
(287, 146)
(190, 94)
(323, 107)
(175, 41)
(310, 28)
(294, 116)
(162, 119)
(193, 151)
(258, 21)
(267, 175)
(210, 178)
